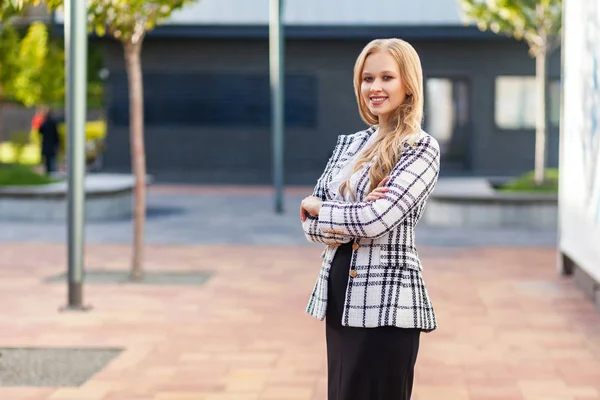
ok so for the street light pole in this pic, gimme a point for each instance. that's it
(276, 58)
(76, 77)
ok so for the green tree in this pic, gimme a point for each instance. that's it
(539, 24)
(11, 8)
(128, 21)
(40, 78)
(22, 59)
(9, 42)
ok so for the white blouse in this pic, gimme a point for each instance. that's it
(344, 173)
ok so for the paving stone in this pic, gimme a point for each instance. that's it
(509, 326)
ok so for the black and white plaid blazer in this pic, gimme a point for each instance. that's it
(385, 287)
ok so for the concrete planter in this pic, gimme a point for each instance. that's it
(108, 196)
(473, 202)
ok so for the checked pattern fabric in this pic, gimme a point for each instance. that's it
(385, 287)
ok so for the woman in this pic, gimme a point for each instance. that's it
(364, 208)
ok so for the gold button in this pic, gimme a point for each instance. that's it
(355, 246)
(353, 273)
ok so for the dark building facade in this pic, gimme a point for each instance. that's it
(207, 106)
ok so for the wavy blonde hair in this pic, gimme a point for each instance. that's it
(406, 119)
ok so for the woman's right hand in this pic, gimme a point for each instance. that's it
(379, 192)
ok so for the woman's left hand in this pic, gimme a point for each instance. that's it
(310, 205)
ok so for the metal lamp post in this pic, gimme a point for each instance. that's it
(76, 77)
(277, 68)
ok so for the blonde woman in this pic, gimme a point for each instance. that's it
(364, 208)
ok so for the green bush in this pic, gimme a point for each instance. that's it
(28, 155)
(526, 183)
(19, 175)
(19, 141)
(24, 147)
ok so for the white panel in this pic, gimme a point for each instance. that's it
(579, 197)
(323, 12)
(223, 12)
(320, 12)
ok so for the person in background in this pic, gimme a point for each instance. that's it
(48, 131)
(36, 121)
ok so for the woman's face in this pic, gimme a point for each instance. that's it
(382, 88)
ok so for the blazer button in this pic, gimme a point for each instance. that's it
(353, 273)
(355, 246)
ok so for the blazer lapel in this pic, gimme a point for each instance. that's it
(348, 147)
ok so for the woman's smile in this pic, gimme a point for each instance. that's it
(378, 100)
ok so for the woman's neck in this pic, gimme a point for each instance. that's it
(384, 123)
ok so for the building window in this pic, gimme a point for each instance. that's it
(516, 102)
(447, 117)
(439, 107)
(215, 100)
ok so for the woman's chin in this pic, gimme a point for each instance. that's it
(378, 111)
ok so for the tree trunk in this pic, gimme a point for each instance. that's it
(138, 154)
(541, 123)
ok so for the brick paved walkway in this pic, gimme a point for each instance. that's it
(510, 328)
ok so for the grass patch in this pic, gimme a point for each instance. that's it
(20, 175)
(526, 183)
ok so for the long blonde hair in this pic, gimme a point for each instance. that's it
(406, 120)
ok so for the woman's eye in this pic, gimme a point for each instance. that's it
(387, 78)
(367, 79)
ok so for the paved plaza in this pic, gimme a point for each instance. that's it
(183, 215)
(509, 326)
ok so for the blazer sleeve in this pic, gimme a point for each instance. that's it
(310, 225)
(315, 235)
(411, 182)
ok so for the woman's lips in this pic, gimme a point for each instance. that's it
(377, 100)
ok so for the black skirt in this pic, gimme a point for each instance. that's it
(365, 363)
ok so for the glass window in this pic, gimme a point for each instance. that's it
(447, 117)
(516, 102)
(215, 99)
(439, 108)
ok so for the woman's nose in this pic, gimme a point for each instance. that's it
(376, 85)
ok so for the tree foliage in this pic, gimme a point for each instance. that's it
(31, 65)
(538, 22)
(127, 20)
(41, 78)
(13, 8)
(9, 60)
